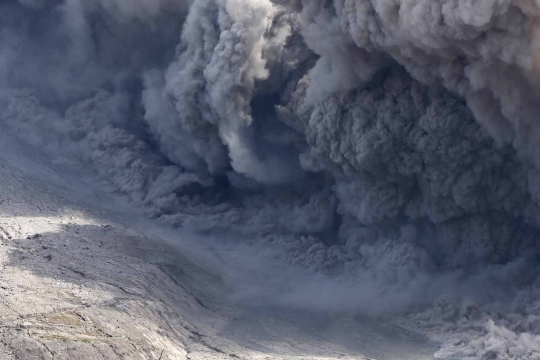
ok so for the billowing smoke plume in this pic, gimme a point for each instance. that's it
(351, 133)
(485, 51)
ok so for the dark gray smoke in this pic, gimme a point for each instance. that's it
(342, 131)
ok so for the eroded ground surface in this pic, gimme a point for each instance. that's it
(77, 283)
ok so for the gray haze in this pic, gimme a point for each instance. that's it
(389, 137)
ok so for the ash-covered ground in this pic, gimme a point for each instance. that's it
(386, 149)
